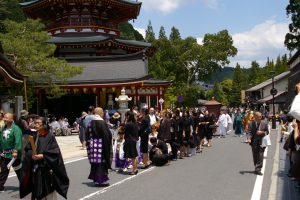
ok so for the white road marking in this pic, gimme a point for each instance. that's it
(115, 184)
(71, 161)
(67, 162)
(256, 194)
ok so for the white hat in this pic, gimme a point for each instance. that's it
(24, 113)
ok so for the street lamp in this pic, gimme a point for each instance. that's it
(264, 105)
(273, 93)
(123, 103)
(161, 101)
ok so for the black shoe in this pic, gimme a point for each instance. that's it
(258, 173)
(101, 184)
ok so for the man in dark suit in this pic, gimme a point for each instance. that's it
(257, 130)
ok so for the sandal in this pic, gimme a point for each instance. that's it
(134, 173)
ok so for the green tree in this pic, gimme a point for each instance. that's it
(270, 66)
(129, 33)
(281, 65)
(163, 64)
(255, 73)
(227, 88)
(200, 61)
(26, 45)
(10, 9)
(292, 38)
(237, 86)
(218, 94)
(162, 34)
(174, 35)
(150, 35)
(190, 95)
(185, 61)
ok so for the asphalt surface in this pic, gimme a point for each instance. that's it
(223, 171)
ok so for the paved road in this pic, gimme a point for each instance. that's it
(223, 171)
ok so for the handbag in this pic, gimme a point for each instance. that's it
(212, 126)
(287, 143)
(266, 141)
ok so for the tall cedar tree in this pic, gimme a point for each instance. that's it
(237, 86)
(129, 33)
(150, 35)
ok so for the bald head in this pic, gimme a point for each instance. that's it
(8, 118)
(258, 116)
(99, 111)
(151, 111)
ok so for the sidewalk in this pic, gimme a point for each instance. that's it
(286, 188)
(70, 147)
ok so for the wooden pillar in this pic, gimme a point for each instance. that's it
(96, 100)
(102, 97)
(158, 97)
(136, 96)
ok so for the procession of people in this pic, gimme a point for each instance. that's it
(146, 137)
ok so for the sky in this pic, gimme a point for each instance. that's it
(258, 27)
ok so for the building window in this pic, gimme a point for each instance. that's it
(153, 101)
(74, 20)
(143, 99)
(85, 20)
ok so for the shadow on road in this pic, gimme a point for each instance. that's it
(11, 189)
(246, 172)
(89, 184)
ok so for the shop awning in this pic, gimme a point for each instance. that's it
(279, 97)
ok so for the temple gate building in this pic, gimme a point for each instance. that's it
(86, 34)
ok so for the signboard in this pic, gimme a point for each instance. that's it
(273, 91)
(180, 99)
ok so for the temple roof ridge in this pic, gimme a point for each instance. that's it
(8, 70)
(133, 56)
(32, 2)
(97, 38)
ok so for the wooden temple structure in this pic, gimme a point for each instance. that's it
(9, 77)
(86, 34)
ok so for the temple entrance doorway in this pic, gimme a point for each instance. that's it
(70, 106)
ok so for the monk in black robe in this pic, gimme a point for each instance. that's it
(99, 149)
(43, 172)
(159, 152)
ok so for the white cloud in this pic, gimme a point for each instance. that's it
(262, 41)
(164, 6)
(200, 40)
(141, 31)
(167, 6)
